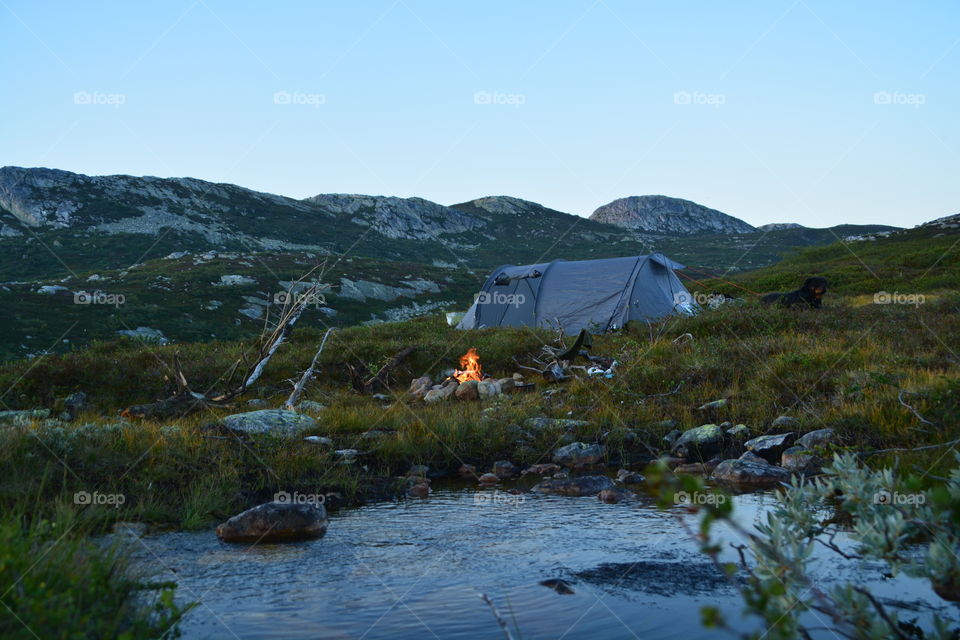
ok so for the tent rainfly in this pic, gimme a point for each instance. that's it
(597, 295)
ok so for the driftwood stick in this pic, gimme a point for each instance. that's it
(912, 410)
(496, 614)
(298, 388)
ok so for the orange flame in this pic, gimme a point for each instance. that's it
(470, 362)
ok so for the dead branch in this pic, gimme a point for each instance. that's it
(496, 614)
(298, 388)
(912, 410)
(379, 380)
(185, 401)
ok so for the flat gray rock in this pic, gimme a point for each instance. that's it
(273, 421)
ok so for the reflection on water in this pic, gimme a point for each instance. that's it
(416, 569)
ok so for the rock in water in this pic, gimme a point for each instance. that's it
(275, 522)
(615, 495)
(753, 475)
(580, 486)
(770, 447)
(272, 421)
(505, 469)
(578, 454)
(629, 477)
(800, 460)
(699, 443)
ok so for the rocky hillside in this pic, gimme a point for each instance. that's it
(85, 258)
(665, 215)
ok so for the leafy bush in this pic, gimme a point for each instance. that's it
(56, 585)
(891, 520)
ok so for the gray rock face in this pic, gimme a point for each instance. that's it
(410, 218)
(276, 522)
(770, 447)
(662, 214)
(779, 226)
(579, 486)
(578, 454)
(55, 199)
(274, 421)
(749, 474)
(503, 205)
(700, 443)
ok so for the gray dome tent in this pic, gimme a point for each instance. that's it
(597, 295)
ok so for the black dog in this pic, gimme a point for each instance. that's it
(811, 293)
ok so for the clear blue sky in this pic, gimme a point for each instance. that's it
(567, 103)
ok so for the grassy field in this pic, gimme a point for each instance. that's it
(841, 367)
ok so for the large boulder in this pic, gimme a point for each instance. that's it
(751, 475)
(273, 421)
(579, 486)
(771, 447)
(700, 443)
(578, 454)
(818, 438)
(276, 522)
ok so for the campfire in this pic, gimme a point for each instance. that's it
(470, 362)
(469, 382)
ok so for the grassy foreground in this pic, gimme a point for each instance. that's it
(842, 367)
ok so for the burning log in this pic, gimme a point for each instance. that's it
(472, 370)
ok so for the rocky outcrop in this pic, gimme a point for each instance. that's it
(673, 216)
(276, 522)
(409, 218)
(779, 226)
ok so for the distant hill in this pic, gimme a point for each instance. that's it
(166, 245)
(665, 215)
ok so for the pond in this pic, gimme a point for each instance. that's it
(416, 569)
